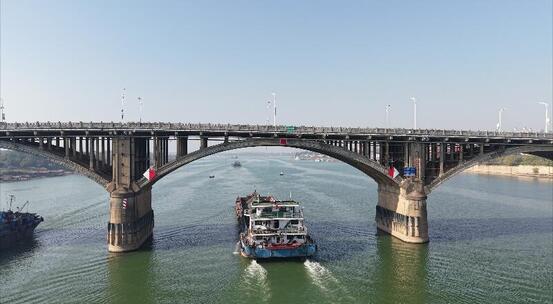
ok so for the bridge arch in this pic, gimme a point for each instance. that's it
(542, 151)
(371, 168)
(57, 159)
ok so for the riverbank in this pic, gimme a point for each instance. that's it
(15, 175)
(523, 170)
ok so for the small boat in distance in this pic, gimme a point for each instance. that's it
(212, 176)
(281, 173)
(272, 229)
(236, 164)
(18, 225)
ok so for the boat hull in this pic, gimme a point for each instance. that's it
(302, 251)
(11, 236)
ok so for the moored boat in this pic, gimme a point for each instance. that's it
(18, 225)
(272, 229)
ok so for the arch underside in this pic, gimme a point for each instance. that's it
(371, 168)
(541, 151)
(57, 159)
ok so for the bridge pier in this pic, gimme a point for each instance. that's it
(401, 211)
(182, 146)
(131, 220)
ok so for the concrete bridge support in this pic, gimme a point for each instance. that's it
(182, 146)
(131, 219)
(401, 212)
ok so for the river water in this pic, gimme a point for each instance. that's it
(491, 241)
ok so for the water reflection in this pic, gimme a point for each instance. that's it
(130, 278)
(19, 249)
(402, 273)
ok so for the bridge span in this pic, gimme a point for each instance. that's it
(115, 155)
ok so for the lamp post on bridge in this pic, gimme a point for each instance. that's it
(546, 115)
(414, 100)
(500, 122)
(2, 114)
(123, 106)
(269, 112)
(388, 107)
(140, 109)
(274, 107)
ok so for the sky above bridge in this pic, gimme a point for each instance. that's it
(329, 62)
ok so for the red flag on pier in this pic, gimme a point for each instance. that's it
(392, 172)
(150, 174)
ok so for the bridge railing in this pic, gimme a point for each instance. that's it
(208, 127)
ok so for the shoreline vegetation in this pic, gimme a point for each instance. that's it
(17, 166)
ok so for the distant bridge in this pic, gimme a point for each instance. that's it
(115, 155)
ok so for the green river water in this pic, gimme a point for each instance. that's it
(491, 241)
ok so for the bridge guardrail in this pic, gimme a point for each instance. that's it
(263, 128)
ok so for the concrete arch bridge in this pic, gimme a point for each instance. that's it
(115, 155)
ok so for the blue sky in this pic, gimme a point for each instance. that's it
(330, 62)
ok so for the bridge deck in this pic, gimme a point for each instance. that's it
(136, 129)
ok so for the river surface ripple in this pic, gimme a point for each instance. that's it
(491, 241)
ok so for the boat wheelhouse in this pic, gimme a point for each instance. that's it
(271, 228)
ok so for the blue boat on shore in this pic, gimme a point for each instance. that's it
(272, 229)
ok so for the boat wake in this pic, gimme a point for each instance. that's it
(255, 283)
(326, 282)
(321, 276)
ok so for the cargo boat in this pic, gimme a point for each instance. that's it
(272, 229)
(18, 225)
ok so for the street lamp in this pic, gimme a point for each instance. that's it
(414, 100)
(274, 107)
(546, 115)
(123, 105)
(268, 111)
(388, 107)
(140, 108)
(500, 122)
(2, 114)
